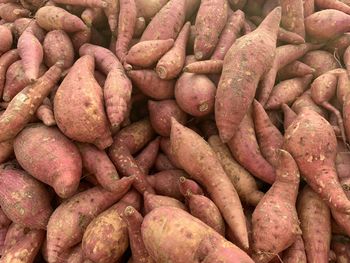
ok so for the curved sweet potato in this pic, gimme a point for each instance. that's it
(152, 201)
(294, 70)
(320, 60)
(147, 157)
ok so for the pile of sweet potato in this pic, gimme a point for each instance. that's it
(174, 131)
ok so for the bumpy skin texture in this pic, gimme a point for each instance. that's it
(24, 200)
(69, 221)
(14, 234)
(134, 221)
(84, 118)
(197, 158)
(315, 222)
(210, 21)
(287, 91)
(6, 39)
(275, 220)
(243, 181)
(245, 149)
(311, 141)
(167, 22)
(152, 201)
(50, 157)
(31, 52)
(128, 141)
(296, 252)
(5, 61)
(23, 106)
(52, 18)
(26, 249)
(171, 64)
(188, 239)
(151, 85)
(322, 61)
(58, 46)
(293, 16)
(320, 31)
(195, 94)
(146, 53)
(97, 162)
(235, 93)
(161, 113)
(269, 137)
(106, 238)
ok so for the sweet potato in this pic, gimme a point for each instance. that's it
(16, 80)
(151, 85)
(289, 116)
(161, 113)
(147, 157)
(305, 101)
(293, 16)
(296, 252)
(106, 237)
(90, 121)
(187, 145)
(245, 149)
(195, 94)
(128, 141)
(12, 11)
(94, 17)
(333, 4)
(3, 232)
(205, 67)
(55, 18)
(319, 30)
(134, 220)
(287, 91)
(126, 26)
(294, 70)
(149, 9)
(316, 156)
(289, 37)
(14, 234)
(188, 186)
(196, 241)
(153, 201)
(112, 12)
(23, 106)
(315, 222)
(230, 108)
(69, 221)
(228, 35)
(170, 65)
(4, 220)
(167, 22)
(26, 249)
(341, 245)
(46, 165)
(338, 45)
(6, 39)
(30, 25)
(166, 183)
(146, 53)
(6, 150)
(58, 46)
(80, 38)
(342, 162)
(87, 3)
(320, 60)
(45, 113)
(24, 200)
(276, 212)
(210, 21)
(243, 182)
(163, 163)
(5, 61)
(140, 26)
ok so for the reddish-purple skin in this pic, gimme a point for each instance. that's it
(288, 116)
(58, 46)
(333, 4)
(305, 101)
(167, 22)
(189, 187)
(81, 37)
(69, 221)
(85, 3)
(235, 92)
(205, 67)
(5, 61)
(6, 39)
(12, 11)
(153, 201)
(6, 150)
(296, 252)
(320, 60)
(294, 70)
(210, 21)
(338, 45)
(30, 207)
(147, 157)
(28, 24)
(166, 149)
(293, 16)
(4, 220)
(128, 141)
(14, 234)
(50, 157)
(163, 163)
(161, 113)
(151, 85)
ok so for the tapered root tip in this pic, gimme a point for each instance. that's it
(198, 55)
(162, 72)
(129, 210)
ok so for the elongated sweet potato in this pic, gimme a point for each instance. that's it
(161, 113)
(87, 3)
(50, 157)
(24, 200)
(235, 93)
(23, 106)
(152, 201)
(187, 145)
(310, 139)
(320, 60)
(293, 16)
(147, 157)
(294, 70)
(275, 216)
(106, 237)
(128, 141)
(315, 222)
(205, 67)
(296, 252)
(288, 116)
(333, 4)
(6, 39)
(5, 61)
(195, 240)
(6, 150)
(167, 22)
(90, 121)
(69, 221)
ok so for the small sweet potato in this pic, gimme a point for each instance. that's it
(45, 113)
(294, 70)
(163, 163)
(205, 67)
(6, 39)
(188, 186)
(152, 201)
(147, 157)
(24, 200)
(5, 61)
(320, 60)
